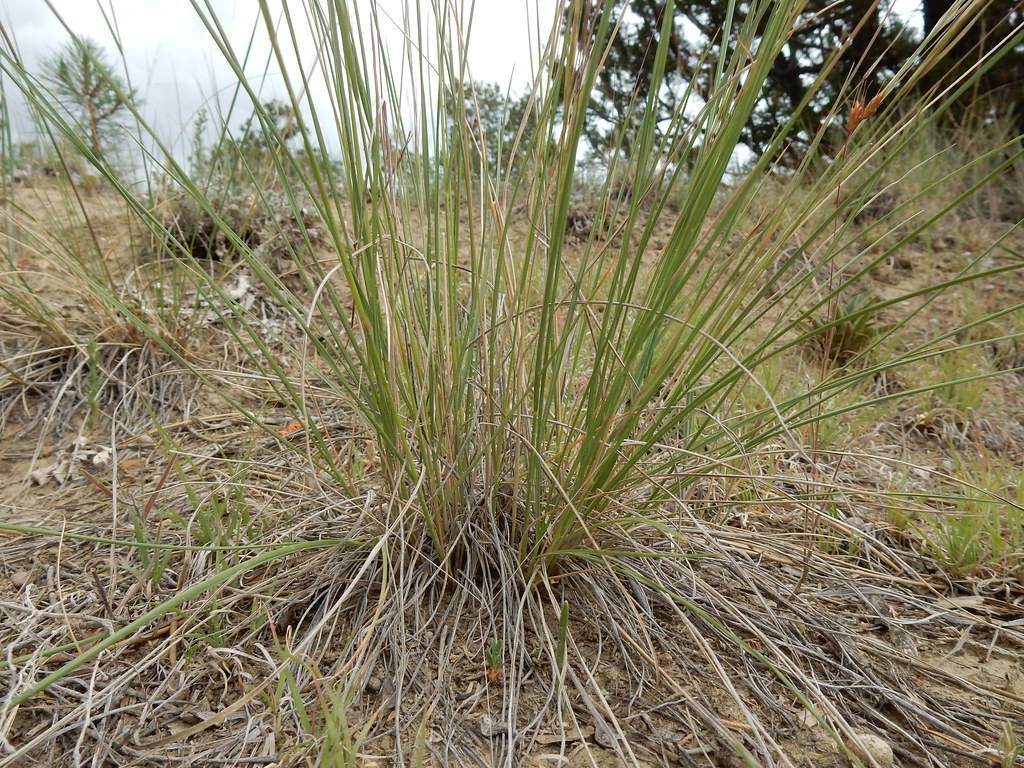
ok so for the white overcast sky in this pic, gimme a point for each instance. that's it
(175, 66)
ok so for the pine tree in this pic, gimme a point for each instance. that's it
(871, 41)
(87, 85)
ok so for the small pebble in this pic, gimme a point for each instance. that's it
(873, 750)
(20, 578)
(40, 476)
(806, 720)
(604, 735)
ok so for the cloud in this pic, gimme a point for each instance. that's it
(169, 56)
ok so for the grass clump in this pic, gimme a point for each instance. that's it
(853, 330)
(264, 223)
(552, 430)
(985, 530)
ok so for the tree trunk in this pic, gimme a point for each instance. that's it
(94, 128)
(864, 45)
(933, 10)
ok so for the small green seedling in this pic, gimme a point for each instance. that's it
(1010, 748)
(494, 658)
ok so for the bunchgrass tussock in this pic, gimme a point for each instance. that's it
(840, 339)
(565, 436)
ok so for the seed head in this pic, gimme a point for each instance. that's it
(861, 111)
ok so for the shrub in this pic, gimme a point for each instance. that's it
(264, 223)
